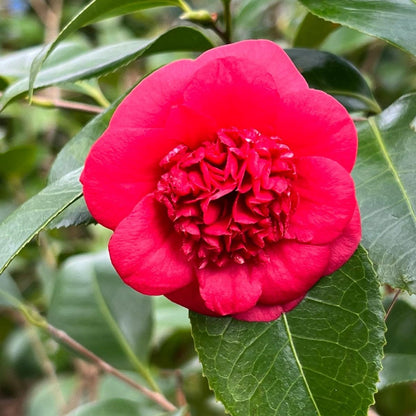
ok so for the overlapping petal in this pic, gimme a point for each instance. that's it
(234, 93)
(267, 56)
(291, 270)
(342, 247)
(144, 251)
(123, 163)
(313, 123)
(326, 201)
(229, 289)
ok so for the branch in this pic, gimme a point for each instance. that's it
(71, 105)
(66, 339)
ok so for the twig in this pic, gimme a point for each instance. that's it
(393, 302)
(66, 339)
(71, 105)
(227, 19)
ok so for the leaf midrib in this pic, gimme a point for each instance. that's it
(396, 176)
(298, 363)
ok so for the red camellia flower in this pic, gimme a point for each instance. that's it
(226, 180)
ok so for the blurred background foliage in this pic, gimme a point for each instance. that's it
(40, 377)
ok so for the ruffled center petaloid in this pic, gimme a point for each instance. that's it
(230, 197)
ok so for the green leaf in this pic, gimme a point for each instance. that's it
(336, 76)
(92, 304)
(386, 191)
(112, 407)
(397, 368)
(108, 58)
(16, 65)
(9, 292)
(399, 363)
(249, 16)
(71, 157)
(391, 20)
(34, 215)
(48, 398)
(312, 32)
(95, 11)
(320, 359)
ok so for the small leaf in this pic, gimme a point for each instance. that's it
(313, 31)
(391, 20)
(92, 304)
(95, 11)
(34, 215)
(336, 76)
(386, 191)
(108, 58)
(321, 359)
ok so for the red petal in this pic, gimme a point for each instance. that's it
(345, 245)
(149, 104)
(229, 289)
(145, 251)
(313, 123)
(326, 200)
(265, 54)
(292, 270)
(190, 298)
(122, 167)
(234, 93)
(264, 313)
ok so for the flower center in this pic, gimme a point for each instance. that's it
(230, 197)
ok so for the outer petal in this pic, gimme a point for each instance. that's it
(190, 298)
(313, 123)
(345, 245)
(264, 313)
(234, 93)
(326, 200)
(145, 251)
(293, 269)
(149, 103)
(265, 54)
(122, 167)
(229, 289)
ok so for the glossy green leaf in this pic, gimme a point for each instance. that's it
(34, 215)
(16, 65)
(320, 359)
(112, 407)
(9, 292)
(336, 76)
(385, 175)
(313, 31)
(93, 305)
(108, 58)
(391, 20)
(95, 11)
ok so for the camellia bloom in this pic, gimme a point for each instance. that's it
(226, 180)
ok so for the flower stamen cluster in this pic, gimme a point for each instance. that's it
(230, 197)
